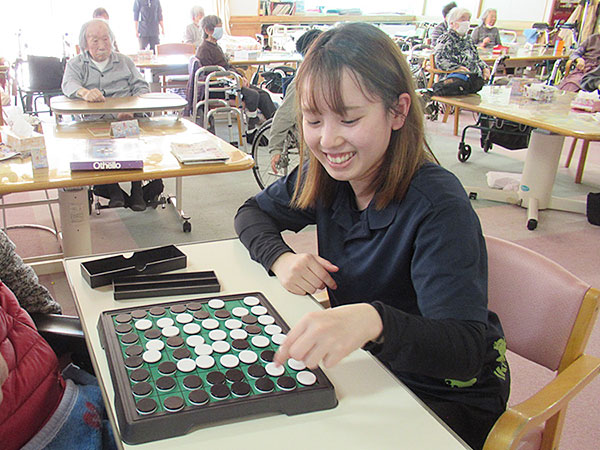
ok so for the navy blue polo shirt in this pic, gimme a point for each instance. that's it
(425, 255)
(148, 14)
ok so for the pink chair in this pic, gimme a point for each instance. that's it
(547, 314)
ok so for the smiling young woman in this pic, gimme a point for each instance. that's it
(401, 251)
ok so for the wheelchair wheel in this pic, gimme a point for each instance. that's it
(289, 159)
(464, 152)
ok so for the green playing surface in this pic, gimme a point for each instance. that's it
(167, 354)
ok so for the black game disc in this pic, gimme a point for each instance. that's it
(223, 314)
(138, 314)
(253, 329)
(256, 371)
(123, 328)
(267, 356)
(286, 383)
(264, 384)
(178, 309)
(134, 361)
(141, 389)
(249, 319)
(146, 406)
(129, 338)
(192, 382)
(167, 367)
(123, 318)
(194, 306)
(240, 344)
(139, 375)
(175, 341)
(134, 350)
(219, 391)
(157, 311)
(215, 378)
(240, 388)
(181, 353)
(165, 383)
(201, 315)
(234, 375)
(198, 397)
(173, 403)
(153, 333)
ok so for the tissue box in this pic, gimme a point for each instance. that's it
(126, 128)
(25, 145)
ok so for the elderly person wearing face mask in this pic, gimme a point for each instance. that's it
(455, 51)
(210, 54)
(487, 35)
(97, 73)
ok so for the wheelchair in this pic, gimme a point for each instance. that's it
(290, 155)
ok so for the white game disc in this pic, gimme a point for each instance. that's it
(251, 301)
(266, 320)
(184, 318)
(229, 361)
(248, 357)
(151, 356)
(216, 303)
(217, 335)
(275, 370)
(232, 324)
(273, 329)
(205, 361)
(155, 344)
(186, 365)
(221, 346)
(191, 328)
(260, 341)
(306, 378)
(239, 311)
(194, 341)
(143, 324)
(210, 324)
(238, 334)
(296, 365)
(278, 338)
(165, 322)
(170, 331)
(203, 349)
(258, 310)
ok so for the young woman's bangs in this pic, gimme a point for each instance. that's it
(321, 89)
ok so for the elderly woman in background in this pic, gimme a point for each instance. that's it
(586, 59)
(193, 32)
(455, 51)
(210, 54)
(486, 34)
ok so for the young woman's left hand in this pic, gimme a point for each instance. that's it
(330, 335)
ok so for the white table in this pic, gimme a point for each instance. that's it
(375, 410)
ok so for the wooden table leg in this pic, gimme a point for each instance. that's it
(571, 151)
(582, 156)
(456, 119)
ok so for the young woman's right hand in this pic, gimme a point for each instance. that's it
(304, 273)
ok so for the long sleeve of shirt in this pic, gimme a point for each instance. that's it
(283, 120)
(444, 348)
(120, 77)
(23, 282)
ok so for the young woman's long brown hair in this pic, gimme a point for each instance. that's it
(381, 71)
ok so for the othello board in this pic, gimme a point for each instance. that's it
(179, 365)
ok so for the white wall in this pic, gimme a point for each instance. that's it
(243, 7)
(529, 10)
(43, 23)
